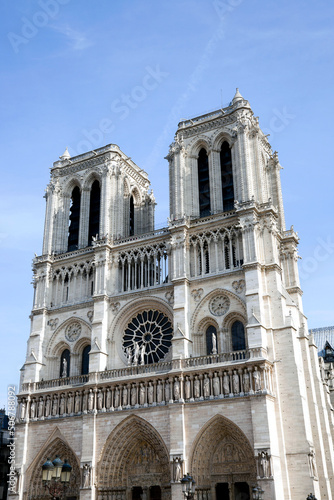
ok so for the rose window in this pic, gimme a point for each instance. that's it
(148, 337)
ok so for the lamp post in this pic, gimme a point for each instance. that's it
(56, 476)
(257, 492)
(188, 486)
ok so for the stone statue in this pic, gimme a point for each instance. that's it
(47, 406)
(90, 400)
(197, 389)
(23, 407)
(55, 405)
(215, 385)
(128, 355)
(206, 386)
(64, 369)
(108, 399)
(33, 409)
(177, 469)
(264, 464)
(187, 388)
(125, 396)
(62, 404)
(177, 389)
(84, 401)
(117, 397)
(40, 407)
(150, 393)
(226, 383)
(246, 381)
(133, 395)
(142, 354)
(257, 379)
(86, 476)
(312, 463)
(167, 391)
(77, 402)
(141, 394)
(99, 400)
(136, 354)
(70, 403)
(236, 383)
(214, 343)
(159, 392)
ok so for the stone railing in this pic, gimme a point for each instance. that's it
(137, 237)
(214, 382)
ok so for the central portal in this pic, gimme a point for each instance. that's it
(151, 493)
(232, 491)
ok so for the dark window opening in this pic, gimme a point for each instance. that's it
(227, 177)
(203, 184)
(222, 491)
(74, 220)
(211, 330)
(132, 217)
(94, 211)
(238, 336)
(85, 360)
(65, 359)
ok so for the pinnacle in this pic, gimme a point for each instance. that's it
(66, 155)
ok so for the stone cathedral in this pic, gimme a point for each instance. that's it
(156, 353)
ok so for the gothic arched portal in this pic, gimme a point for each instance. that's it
(133, 461)
(223, 459)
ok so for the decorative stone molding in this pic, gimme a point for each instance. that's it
(53, 323)
(197, 294)
(90, 315)
(170, 297)
(219, 305)
(238, 285)
(73, 331)
(114, 306)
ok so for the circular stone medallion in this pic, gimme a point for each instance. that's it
(73, 331)
(219, 305)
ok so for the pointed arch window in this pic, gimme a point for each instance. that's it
(65, 360)
(238, 336)
(226, 177)
(132, 217)
(74, 220)
(94, 211)
(203, 183)
(204, 259)
(210, 333)
(85, 360)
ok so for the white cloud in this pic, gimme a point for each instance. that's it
(76, 39)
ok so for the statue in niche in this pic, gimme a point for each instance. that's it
(99, 400)
(214, 343)
(215, 384)
(62, 404)
(47, 406)
(206, 386)
(159, 392)
(128, 355)
(264, 464)
(257, 379)
(176, 389)
(77, 402)
(86, 470)
(125, 396)
(142, 354)
(55, 405)
(167, 391)
(177, 476)
(150, 393)
(136, 354)
(84, 401)
(187, 388)
(133, 395)
(141, 393)
(236, 383)
(197, 389)
(33, 408)
(23, 407)
(312, 463)
(90, 400)
(246, 381)
(40, 407)
(117, 401)
(226, 383)
(64, 369)
(70, 403)
(108, 399)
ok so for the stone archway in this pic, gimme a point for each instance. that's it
(134, 463)
(222, 461)
(36, 490)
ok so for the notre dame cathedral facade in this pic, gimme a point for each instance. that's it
(154, 353)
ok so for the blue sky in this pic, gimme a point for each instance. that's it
(87, 73)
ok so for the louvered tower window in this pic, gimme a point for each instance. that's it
(227, 177)
(94, 211)
(203, 183)
(74, 220)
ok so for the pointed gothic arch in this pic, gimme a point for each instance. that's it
(54, 446)
(222, 454)
(134, 455)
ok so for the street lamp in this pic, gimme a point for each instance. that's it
(257, 492)
(188, 486)
(56, 476)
